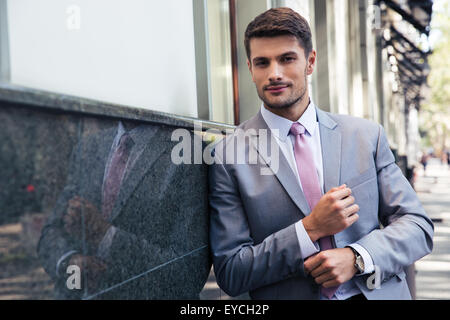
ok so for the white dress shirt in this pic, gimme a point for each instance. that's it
(312, 136)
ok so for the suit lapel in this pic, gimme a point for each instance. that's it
(155, 147)
(283, 171)
(330, 140)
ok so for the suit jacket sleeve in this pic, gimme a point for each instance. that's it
(407, 232)
(240, 264)
(54, 242)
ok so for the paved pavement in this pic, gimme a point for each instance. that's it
(211, 291)
(433, 271)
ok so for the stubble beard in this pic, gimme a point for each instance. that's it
(289, 102)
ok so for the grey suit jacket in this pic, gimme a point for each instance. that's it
(253, 239)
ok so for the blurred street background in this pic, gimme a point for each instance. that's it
(433, 271)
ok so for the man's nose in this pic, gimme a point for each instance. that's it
(275, 72)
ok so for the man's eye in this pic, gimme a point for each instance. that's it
(261, 63)
(288, 59)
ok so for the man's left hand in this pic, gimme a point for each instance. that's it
(95, 226)
(331, 267)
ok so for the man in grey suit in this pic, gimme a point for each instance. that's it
(336, 213)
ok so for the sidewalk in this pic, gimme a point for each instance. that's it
(433, 271)
(211, 291)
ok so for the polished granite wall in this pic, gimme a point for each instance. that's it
(56, 154)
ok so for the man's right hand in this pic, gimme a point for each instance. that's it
(334, 212)
(90, 266)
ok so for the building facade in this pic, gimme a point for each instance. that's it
(188, 57)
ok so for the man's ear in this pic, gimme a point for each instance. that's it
(250, 69)
(311, 62)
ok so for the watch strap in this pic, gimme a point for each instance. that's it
(357, 257)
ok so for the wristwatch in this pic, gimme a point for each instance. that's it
(359, 262)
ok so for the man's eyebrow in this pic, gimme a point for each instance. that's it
(289, 53)
(259, 58)
(282, 55)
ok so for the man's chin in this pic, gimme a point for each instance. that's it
(280, 102)
(277, 104)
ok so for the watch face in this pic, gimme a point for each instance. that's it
(360, 264)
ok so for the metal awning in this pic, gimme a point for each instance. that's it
(416, 12)
(410, 65)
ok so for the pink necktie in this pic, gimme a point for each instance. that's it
(115, 174)
(310, 183)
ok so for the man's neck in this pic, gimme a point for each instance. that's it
(294, 112)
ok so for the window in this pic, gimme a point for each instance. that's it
(137, 53)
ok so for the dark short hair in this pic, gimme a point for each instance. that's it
(278, 22)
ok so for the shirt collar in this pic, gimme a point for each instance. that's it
(140, 135)
(308, 120)
(120, 130)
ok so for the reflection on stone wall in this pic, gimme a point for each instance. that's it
(102, 195)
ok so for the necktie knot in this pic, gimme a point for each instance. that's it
(297, 129)
(125, 141)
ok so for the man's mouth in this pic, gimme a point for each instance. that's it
(277, 88)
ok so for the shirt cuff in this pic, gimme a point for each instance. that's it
(105, 244)
(63, 257)
(307, 247)
(368, 262)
